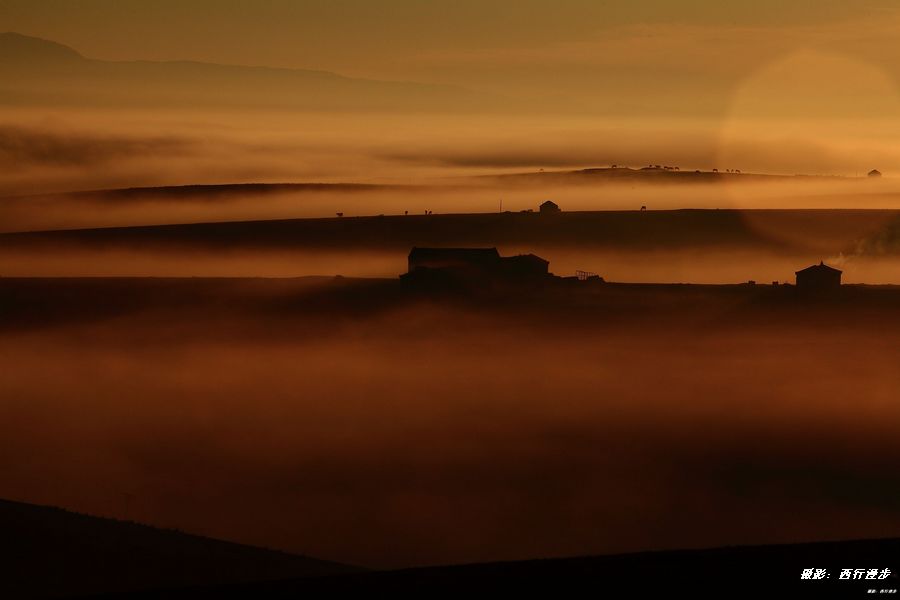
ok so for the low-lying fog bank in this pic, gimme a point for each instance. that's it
(338, 420)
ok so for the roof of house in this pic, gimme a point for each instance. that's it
(821, 267)
(528, 257)
(549, 203)
(473, 254)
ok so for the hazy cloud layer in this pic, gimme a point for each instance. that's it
(20, 146)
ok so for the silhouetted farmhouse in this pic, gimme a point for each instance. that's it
(874, 173)
(819, 277)
(452, 258)
(473, 264)
(549, 207)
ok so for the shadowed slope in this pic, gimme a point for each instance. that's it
(806, 230)
(732, 570)
(52, 552)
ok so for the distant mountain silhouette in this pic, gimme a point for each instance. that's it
(47, 551)
(21, 49)
(42, 72)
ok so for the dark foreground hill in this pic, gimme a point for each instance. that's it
(50, 552)
(851, 568)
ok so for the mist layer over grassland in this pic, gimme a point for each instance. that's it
(580, 190)
(355, 421)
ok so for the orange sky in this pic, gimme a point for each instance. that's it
(777, 87)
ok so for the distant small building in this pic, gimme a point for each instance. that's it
(549, 207)
(874, 173)
(819, 277)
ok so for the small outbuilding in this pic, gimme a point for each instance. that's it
(819, 277)
(549, 207)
